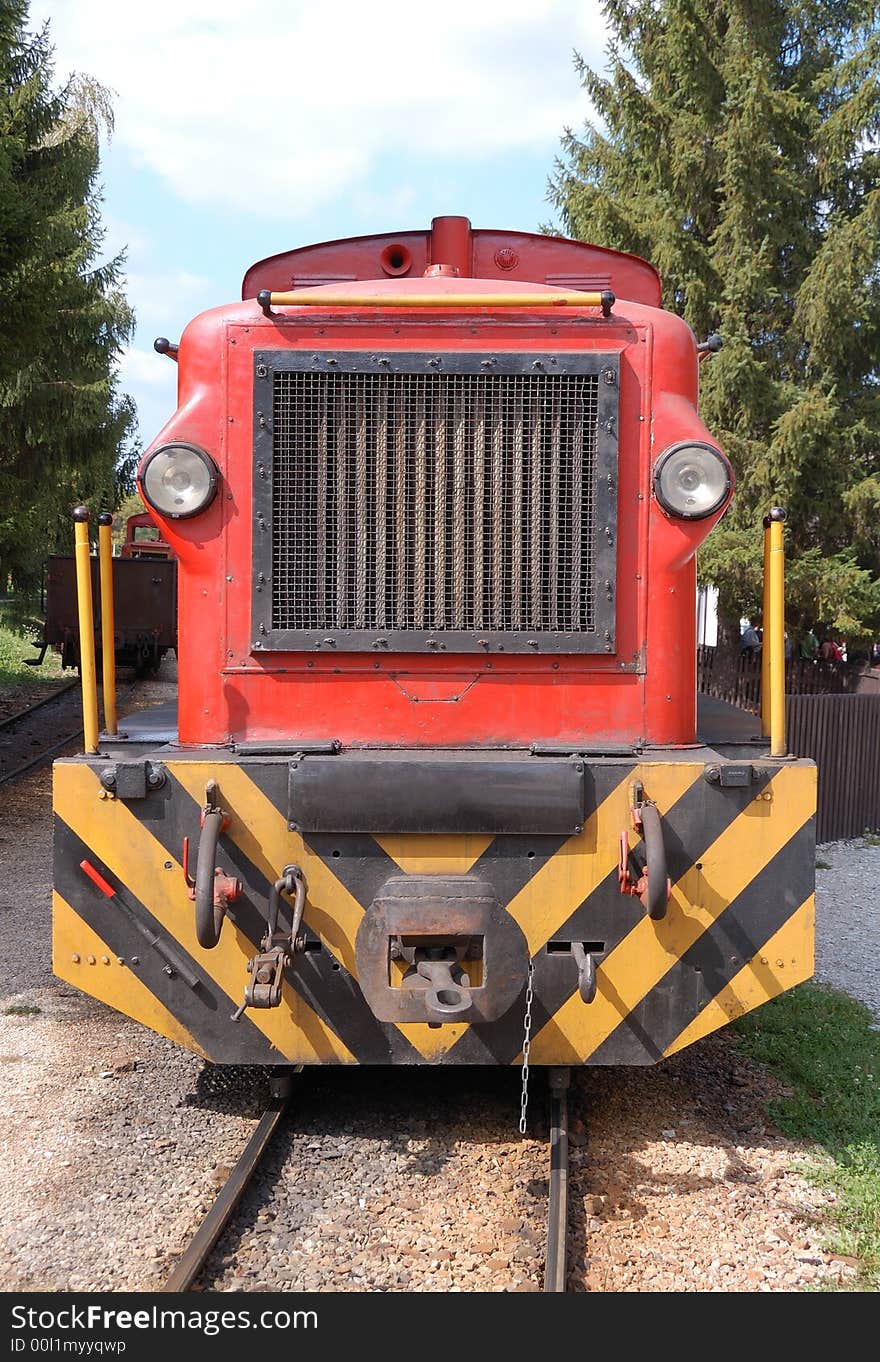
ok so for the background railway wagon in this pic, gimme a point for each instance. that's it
(145, 600)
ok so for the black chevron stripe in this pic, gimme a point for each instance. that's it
(356, 860)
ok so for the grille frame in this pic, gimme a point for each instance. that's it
(604, 366)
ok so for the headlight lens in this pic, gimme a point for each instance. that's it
(179, 480)
(692, 480)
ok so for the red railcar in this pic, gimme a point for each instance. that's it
(143, 538)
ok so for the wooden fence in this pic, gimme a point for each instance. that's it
(842, 735)
(832, 715)
(737, 679)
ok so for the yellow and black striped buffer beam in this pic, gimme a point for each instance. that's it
(738, 929)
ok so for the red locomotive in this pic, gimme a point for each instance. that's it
(436, 499)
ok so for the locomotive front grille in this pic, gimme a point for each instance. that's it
(411, 507)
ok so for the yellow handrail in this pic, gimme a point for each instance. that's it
(83, 557)
(321, 297)
(108, 620)
(765, 648)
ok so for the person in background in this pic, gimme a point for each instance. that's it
(749, 640)
(809, 649)
(875, 653)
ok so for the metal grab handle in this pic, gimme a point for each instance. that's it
(209, 915)
(658, 879)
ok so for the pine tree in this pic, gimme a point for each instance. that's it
(737, 146)
(64, 427)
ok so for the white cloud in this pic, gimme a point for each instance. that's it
(156, 295)
(138, 367)
(123, 236)
(277, 110)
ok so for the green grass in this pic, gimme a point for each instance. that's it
(19, 625)
(21, 1010)
(821, 1044)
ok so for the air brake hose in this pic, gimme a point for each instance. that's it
(209, 915)
(658, 876)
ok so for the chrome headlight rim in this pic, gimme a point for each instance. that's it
(706, 511)
(203, 456)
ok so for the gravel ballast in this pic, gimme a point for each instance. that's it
(115, 1142)
(848, 918)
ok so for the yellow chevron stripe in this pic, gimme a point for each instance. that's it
(113, 984)
(646, 953)
(430, 1043)
(785, 960)
(134, 856)
(581, 864)
(434, 853)
(332, 911)
(262, 834)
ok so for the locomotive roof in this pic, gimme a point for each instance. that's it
(492, 255)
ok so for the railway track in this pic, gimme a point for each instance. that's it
(30, 737)
(25, 710)
(194, 1258)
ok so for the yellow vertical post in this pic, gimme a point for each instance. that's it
(86, 628)
(765, 648)
(108, 620)
(776, 632)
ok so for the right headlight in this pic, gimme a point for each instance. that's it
(692, 480)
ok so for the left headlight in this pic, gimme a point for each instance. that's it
(179, 480)
(692, 480)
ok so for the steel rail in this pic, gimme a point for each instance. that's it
(43, 756)
(195, 1255)
(557, 1215)
(38, 704)
(55, 747)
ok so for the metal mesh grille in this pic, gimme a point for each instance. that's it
(434, 501)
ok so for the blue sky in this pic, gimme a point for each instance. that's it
(244, 130)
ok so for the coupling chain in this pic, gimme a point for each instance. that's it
(527, 1042)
